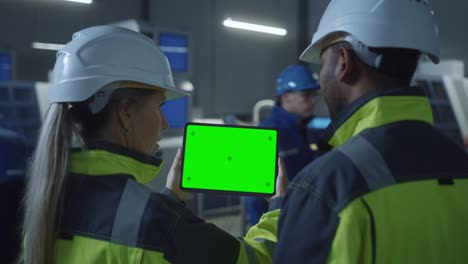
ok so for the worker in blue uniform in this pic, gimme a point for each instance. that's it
(296, 91)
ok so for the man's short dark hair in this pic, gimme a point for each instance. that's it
(399, 64)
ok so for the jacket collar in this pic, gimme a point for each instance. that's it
(377, 109)
(104, 158)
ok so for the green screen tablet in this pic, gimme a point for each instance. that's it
(229, 159)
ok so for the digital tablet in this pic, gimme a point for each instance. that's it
(229, 159)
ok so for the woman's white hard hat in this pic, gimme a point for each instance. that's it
(102, 55)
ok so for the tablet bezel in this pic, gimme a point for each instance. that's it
(198, 190)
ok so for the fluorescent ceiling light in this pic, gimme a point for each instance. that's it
(254, 27)
(81, 1)
(46, 46)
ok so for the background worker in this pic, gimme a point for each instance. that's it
(296, 91)
(394, 188)
(86, 199)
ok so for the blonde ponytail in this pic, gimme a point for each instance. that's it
(63, 127)
(46, 181)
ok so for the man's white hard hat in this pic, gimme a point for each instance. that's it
(408, 24)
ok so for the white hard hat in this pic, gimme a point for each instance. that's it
(98, 56)
(408, 24)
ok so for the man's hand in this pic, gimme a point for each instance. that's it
(282, 180)
(174, 178)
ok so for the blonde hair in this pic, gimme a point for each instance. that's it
(46, 181)
(65, 126)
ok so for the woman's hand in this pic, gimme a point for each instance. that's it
(174, 178)
(281, 181)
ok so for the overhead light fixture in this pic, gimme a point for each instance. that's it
(81, 1)
(254, 27)
(46, 46)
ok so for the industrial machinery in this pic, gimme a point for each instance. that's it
(447, 89)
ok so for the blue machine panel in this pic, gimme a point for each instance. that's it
(175, 47)
(5, 66)
(176, 112)
(19, 110)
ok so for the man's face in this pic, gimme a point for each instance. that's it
(300, 103)
(328, 81)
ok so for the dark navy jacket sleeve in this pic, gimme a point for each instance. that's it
(306, 228)
(309, 218)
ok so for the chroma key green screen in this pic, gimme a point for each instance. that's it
(219, 158)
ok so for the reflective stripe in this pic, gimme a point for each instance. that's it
(289, 152)
(369, 162)
(249, 250)
(15, 172)
(129, 213)
(270, 245)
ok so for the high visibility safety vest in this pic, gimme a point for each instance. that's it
(110, 216)
(393, 190)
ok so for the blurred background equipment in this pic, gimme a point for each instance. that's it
(6, 66)
(19, 110)
(447, 89)
(12, 184)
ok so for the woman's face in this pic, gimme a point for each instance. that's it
(147, 123)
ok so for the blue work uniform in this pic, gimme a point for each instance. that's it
(293, 147)
(293, 143)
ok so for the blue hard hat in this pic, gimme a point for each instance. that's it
(295, 78)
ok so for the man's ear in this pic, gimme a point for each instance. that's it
(347, 67)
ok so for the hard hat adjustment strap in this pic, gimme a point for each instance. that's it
(364, 53)
(99, 101)
(101, 97)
